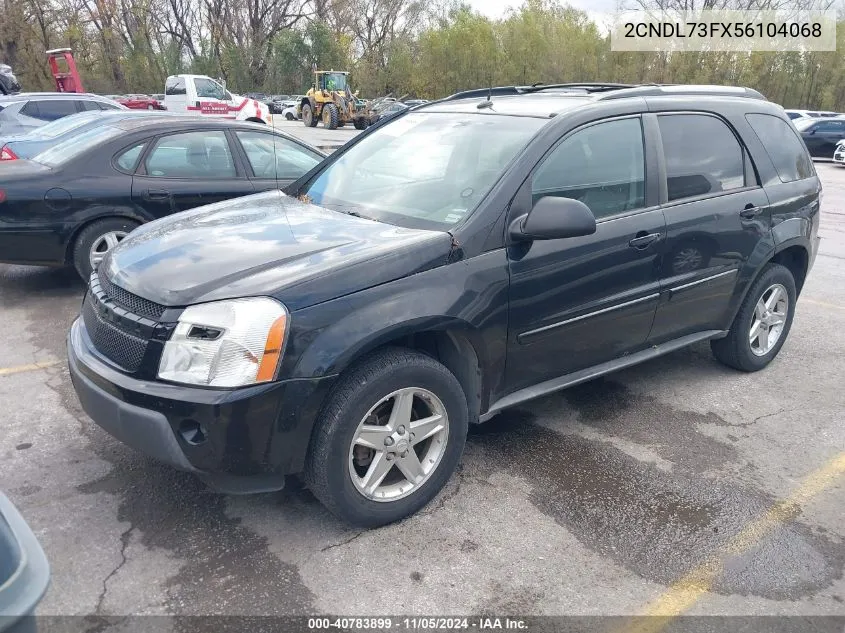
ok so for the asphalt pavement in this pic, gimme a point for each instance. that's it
(676, 486)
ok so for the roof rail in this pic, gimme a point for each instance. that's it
(612, 90)
(665, 90)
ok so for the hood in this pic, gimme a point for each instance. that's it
(268, 244)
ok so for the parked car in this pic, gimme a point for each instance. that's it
(414, 102)
(386, 110)
(42, 138)
(198, 94)
(446, 264)
(160, 99)
(8, 82)
(25, 111)
(141, 102)
(839, 153)
(258, 96)
(291, 112)
(72, 203)
(810, 114)
(24, 571)
(821, 135)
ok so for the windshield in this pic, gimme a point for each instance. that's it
(65, 124)
(77, 144)
(423, 170)
(804, 123)
(334, 81)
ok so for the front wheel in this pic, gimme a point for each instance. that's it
(762, 323)
(308, 117)
(290, 117)
(388, 439)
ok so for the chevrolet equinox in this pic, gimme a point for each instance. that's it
(457, 259)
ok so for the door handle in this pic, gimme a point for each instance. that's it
(157, 194)
(643, 240)
(750, 211)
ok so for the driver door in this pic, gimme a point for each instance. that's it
(212, 98)
(577, 302)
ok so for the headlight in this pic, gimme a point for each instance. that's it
(226, 343)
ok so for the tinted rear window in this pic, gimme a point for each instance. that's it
(784, 146)
(49, 109)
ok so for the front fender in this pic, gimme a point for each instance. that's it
(468, 297)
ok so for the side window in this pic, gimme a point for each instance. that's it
(603, 166)
(88, 106)
(191, 155)
(127, 160)
(107, 106)
(276, 157)
(50, 109)
(830, 126)
(783, 145)
(209, 89)
(702, 155)
(175, 86)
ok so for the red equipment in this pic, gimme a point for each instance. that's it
(66, 80)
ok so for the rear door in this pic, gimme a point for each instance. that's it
(188, 169)
(581, 301)
(716, 215)
(273, 161)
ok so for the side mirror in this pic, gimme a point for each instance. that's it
(813, 131)
(554, 218)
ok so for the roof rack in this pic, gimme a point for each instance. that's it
(611, 90)
(663, 90)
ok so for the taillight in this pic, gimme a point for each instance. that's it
(2, 195)
(7, 154)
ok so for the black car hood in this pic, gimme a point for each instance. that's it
(268, 244)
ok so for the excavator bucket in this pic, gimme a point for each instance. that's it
(63, 68)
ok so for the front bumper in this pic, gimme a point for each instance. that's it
(839, 155)
(249, 438)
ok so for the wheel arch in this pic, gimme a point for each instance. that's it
(453, 342)
(104, 214)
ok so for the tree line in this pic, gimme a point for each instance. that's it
(405, 47)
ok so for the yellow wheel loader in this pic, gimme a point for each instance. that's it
(331, 100)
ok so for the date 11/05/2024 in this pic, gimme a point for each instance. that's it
(416, 623)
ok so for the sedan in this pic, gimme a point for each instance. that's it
(821, 135)
(141, 102)
(72, 203)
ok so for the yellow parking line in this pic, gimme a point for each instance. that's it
(688, 590)
(8, 371)
(823, 304)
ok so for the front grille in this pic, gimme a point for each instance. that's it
(120, 347)
(125, 299)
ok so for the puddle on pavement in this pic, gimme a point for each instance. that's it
(226, 568)
(657, 524)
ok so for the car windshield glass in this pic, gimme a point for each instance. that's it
(334, 81)
(804, 124)
(65, 124)
(423, 170)
(77, 144)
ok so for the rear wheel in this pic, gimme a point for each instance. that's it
(308, 117)
(96, 240)
(151, 107)
(388, 439)
(762, 323)
(330, 116)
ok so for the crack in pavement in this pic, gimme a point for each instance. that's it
(344, 542)
(124, 542)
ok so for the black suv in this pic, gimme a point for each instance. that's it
(459, 258)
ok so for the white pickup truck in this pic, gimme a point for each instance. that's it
(202, 95)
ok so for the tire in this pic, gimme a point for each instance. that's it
(290, 117)
(308, 117)
(737, 349)
(330, 116)
(331, 461)
(95, 234)
(151, 107)
(360, 123)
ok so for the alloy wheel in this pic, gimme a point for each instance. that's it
(103, 244)
(398, 444)
(769, 319)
